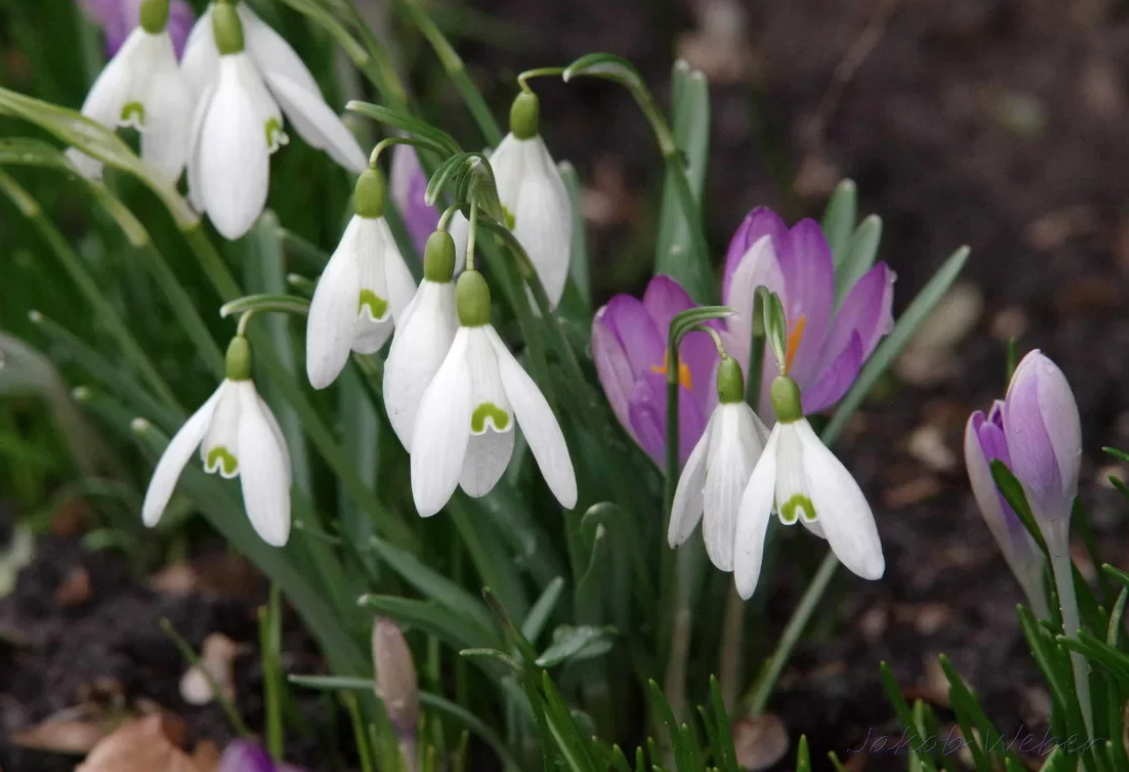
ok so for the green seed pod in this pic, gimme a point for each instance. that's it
(525, 115)
(786, 400)
(239, 359)
(227, 28)
(439, 257)
(472, 298)
(730, 382)
(368, 196)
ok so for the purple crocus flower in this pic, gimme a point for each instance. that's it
(985, 441)
(629, 343)
(247, 756)
(827, 346)
(117, 18)
(408, 185)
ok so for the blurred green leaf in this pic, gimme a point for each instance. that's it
(575, 644)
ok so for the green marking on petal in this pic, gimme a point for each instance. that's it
(489, 411)
(799, 501)
(511, 218)
(276, 137)
(133, 114)
(220, 458)
(377, 306)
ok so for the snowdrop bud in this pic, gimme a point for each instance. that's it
(227, 28)
(368, 196)
(439, 257)
(525, 116)
(786, 400)
(238, 359)
(730, 382)
(472, 298)
(396, 681)
(154, 16)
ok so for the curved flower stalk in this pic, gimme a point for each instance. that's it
(408, 184)
(984, 442)
(238, 436)
(142, 87)
(463, 435)
(364, 289)
(423, 337)
(288, 79)
(629, 344)
(826, 346)
(118, 18)
(801, 480)
(718, 469)
(248, 756)
(538, 210)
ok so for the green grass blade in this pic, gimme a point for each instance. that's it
(839, 219)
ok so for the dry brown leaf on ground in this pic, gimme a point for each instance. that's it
(62, 735)
(139, 746)
(218, 659)
(760, 742)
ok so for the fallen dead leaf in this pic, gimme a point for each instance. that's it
(74, 736)
(217, 657)
(927, 445)
(206, 756)
(760, 742)
(139, 746)
(913, 492)
(74, 590)
(176, 579)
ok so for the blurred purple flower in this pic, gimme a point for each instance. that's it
(826, 346)
(629, 343)
(408, 185)
(247, 756)
(117, 18)
(984, 441)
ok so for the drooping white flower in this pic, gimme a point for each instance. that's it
(715, 475)
(238, 436)
(287, 78)
(464, 430)
(365, 288)
(142, 87)
(537, 205)
(801, 480)
(423, 337)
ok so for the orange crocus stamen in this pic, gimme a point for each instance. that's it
(684, 379)
(794, 339)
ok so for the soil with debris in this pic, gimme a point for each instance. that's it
(994, 123)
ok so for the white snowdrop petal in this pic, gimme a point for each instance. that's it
(168, 102)
(459, 228)
(490, 405)
(333, 312)
(276, 429)
(543, 219)
(107, 96)
(793, 498)
(172, 461)
(263, 469)
(397, 277)
(373, 325)
(271, 52)
(316, 123)
(234, 154)
(538, 424)
(508, 163)
(200, 113)
(219, 450)
(442, 431)
(418, 349)
(727, 472)
(753, 518)
(201, 59)
(686, 509)
(843, 511)
(487, 456)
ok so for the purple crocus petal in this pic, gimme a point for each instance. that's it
(181, 20)
(830, 385)
(647, 422)
(117, 18)
(699, 354)
(809, 292)
(628, 319)
(408, 184)
(613, 368)
(246, 756)
(664, 299)
(866, 310)
(760, 222)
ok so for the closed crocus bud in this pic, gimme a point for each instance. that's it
(396, 681)
(1044, 440)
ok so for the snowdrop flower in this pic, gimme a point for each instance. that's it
(714, 478)
(800, 479)
(364, 289)
(408, 184)
(142, 87)
(118, 18)
(287, 78)
(629, 344)
(984, 442)
(464, 431)
(423, 337)
(530, 187)
(238, 436)
(827, 342)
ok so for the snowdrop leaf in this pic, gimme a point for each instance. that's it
(574, 644)
(538, 615)
(406, 123)
(434, 619)
(578, 260)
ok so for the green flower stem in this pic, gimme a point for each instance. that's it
(455, 68)
(1063, 570)
(270, 643)
(540, 72)
(220, 695)
(397, 140)
(102, 309)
